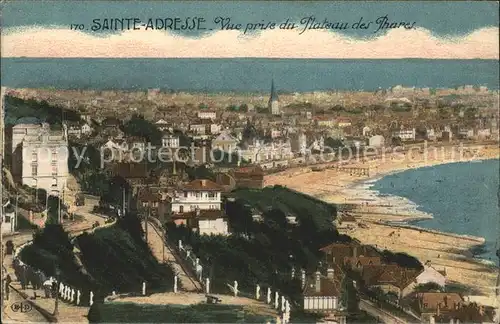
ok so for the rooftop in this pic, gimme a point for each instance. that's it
(202, 185)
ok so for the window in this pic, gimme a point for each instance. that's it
(34, 156)
(34, 170)
(7, 219)
(54, 169)
(426, 306)
(181, 209)
(185, 194)
(54, 182)
(54, 155)
(212, 195)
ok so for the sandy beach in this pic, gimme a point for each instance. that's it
(376, 214)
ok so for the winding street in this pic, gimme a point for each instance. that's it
(69, 313)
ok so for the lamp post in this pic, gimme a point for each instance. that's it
(56, 306)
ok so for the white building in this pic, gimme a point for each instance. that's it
(169, 140)
(430, 274)
(376, 141)
(202, 194)
(225, 142)
(9, 219)
(198, 205)
(260, 152)
(298, 143)
(321, 294)
(405, 134)
(430, 134)
(207, 115)
(40, 156)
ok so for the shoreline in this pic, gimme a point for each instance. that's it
(390, 220)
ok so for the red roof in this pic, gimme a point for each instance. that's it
(202, 185)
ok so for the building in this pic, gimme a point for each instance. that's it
(249, 177)
(134, 173)
(390, 278)
(430, 304)
(41, 159)
(298, 143)
(343, 122)
(205, 222)
(203, 194)
(207, 115)
(273, 104)
(324, 121)
(225, 142)
(9, 219)
(430, 274)
(198, 206)
(171, 141)
(405, 134)
(376, 141)
(322, 293)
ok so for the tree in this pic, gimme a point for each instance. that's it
(396, 141)
(94, 315)
(349, 297)
(140, 127)
(428, 287)
(337, 108)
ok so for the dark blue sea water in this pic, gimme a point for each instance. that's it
(247, 75)
(462, 197)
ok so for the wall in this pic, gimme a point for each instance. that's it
(320, 303)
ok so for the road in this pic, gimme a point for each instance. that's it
(379, 313)
(165, 253)
(9, 316)
(65, 311)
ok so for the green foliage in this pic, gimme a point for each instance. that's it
(17, 108)
(337, 108)
(349, 298)
(140, 127)
(119, 261)
(290, 202)
(199, 313)
(52, 249)
(403, 259)
(264, 253)
(333, 143)
(94, 315)
(428, 287)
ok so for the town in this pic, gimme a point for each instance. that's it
(214, 214)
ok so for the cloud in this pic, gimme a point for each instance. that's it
(397, 43)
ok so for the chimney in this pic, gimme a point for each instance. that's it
(330, 273)
(317, 284)
(203, 182)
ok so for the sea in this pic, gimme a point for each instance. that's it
(245, 74)
(462, 197)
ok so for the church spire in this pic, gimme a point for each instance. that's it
(274, 94)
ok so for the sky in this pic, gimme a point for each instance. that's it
(436, 30)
